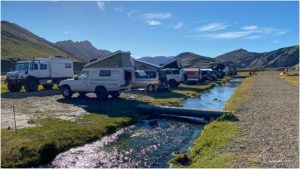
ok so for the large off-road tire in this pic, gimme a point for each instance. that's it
(151, 88)
(48, 86)
(31, 84)
(14, 87)
(173, 83)
(101, 93)
(115, 94)
(66, 92)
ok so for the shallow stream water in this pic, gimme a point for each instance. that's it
(148, 143)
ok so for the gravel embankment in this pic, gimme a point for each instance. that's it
(270, 125)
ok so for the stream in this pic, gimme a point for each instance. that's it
(148, 143)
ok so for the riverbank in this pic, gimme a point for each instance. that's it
(207, 149)
(33, 146)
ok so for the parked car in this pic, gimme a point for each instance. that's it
(105, 76)
(151, 80)
(39, 71)
(174, 76)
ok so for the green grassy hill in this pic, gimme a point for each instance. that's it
(17, 42)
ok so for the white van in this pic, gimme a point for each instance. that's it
(174, 76)
(106, 76)
(40, 71)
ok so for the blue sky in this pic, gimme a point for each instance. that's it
(162, 28)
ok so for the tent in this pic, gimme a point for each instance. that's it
(118, 59)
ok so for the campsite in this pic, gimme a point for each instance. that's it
(149, 84)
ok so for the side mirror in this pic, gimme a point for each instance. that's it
(76, 77)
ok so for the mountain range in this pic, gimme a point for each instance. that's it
(17, 42)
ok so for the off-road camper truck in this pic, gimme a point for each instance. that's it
(39, 71)
(105, 76)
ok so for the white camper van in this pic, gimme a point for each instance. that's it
(105, 76)
(40, 71)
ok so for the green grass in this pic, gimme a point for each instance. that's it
(207, 149)
(292, 78)
(37, 145)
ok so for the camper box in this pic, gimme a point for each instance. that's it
(104, 76)
(148, 76)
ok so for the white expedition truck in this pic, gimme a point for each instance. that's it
(39, 71)
(174, 76)
(105, 76)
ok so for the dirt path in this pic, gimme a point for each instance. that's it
(270, 125)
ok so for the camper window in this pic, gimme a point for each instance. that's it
(145, 74)
(83, 76)
(68, 65)
(104, 73)
(43, 67)
(35, 66)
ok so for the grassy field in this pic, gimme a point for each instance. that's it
(206, 152)
(37, 145)
(292, 77)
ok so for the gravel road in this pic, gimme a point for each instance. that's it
(270, 125)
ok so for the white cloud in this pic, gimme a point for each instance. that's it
(66, 32)
(275, 41)
(179, 25)
(230, 35)
(254, 37)
(153, 22)
(101, 5)
(280, 33)
(158, 16)
(154, 19)
(212, 27)
(249, 28)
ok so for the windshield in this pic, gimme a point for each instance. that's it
(22, 66)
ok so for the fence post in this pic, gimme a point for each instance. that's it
(15, 119)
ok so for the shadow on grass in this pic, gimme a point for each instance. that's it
(112, 107)
(21, 95)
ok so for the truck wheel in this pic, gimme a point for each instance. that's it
(173, 83)
(115, 94)
(101, 93)
(14, 87)
(31, 85)
(48, 86)
(151, 88)
(66, 91)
